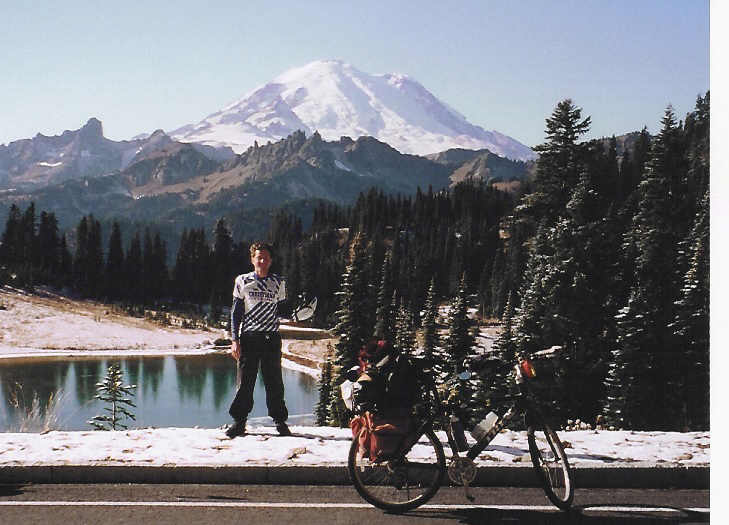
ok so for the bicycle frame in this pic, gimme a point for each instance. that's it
(522, 405)
(550, 461)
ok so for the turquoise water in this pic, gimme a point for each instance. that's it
(172, 391)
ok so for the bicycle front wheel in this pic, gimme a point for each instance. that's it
(551, 464)
(403, 483)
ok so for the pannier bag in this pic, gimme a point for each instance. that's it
(379, 438)
(387, 386)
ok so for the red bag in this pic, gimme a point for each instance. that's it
(378, 437)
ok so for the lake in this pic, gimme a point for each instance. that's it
(172, 391)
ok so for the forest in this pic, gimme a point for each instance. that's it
(604, 254)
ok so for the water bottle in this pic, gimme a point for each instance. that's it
(484, 426)
(458, 434)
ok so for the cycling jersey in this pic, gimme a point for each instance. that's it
(256, 303)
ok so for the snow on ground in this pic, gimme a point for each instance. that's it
(36, 325)
(322, 446)
(48, 324)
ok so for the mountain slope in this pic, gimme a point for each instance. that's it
(337, 100)
(31, 164)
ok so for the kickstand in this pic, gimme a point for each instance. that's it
(468, 494)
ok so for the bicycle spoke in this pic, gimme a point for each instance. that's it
(401, 483)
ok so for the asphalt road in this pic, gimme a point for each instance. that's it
(281, 504)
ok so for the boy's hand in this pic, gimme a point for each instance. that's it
(235, 350)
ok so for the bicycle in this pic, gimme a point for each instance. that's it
(413, 474)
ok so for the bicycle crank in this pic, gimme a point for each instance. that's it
(462, 471)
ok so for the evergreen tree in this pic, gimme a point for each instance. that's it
(325, 389)
(81, 256)
(691, 326)
(112, 390)
(49, 259)
(160, 272)
(31, 250)
(11, 249)
(149, 284)
(505, 355)
(431, 341)
(647, 353)
(222, 268)
(353, 333)
(114, 269)
(66, 263)
(133, 268)
(384, 318)
(404, 330)
(458, 347)
(560, 157)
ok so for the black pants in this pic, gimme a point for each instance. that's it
(264, 350)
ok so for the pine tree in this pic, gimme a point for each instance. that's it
(431, 341)
(351, 328)
(133, 268)
(506, 354)
(114, 269)
(221, 263)
(160, 272)
(66, 263)
(49, 242)
(560, 157)
(458, 347)
(646, 352)
(325, 389)
(149, 284)
(31, 249)
(384, 322)
(81, 256)
(11, 249)
(95, 263)
(404, 330)
(112, 390)
(691, 325)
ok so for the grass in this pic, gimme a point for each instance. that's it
(35, 416)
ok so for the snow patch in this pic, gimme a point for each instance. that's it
(322, 446)
(338, 100)
(341, 166)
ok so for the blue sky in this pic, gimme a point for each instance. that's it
(140, 66)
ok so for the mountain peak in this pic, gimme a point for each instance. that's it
(93, 127)
(336, 99)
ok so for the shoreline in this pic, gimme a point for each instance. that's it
(46, 325)
(289, 360)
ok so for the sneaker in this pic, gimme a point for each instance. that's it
(283, 429)
(236, 429)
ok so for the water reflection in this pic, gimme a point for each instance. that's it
(47, 382)
(87, 373)
(152, 368)
(190, 379)
(171, 391)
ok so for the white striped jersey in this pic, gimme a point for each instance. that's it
(255, 303)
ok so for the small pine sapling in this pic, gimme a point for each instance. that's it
(112, 390)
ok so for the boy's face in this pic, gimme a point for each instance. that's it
(261, 261)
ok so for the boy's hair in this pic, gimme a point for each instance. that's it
(260, 245)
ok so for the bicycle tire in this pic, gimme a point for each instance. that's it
(551, 465)
(401, 484)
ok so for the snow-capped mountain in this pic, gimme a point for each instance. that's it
(337, 100)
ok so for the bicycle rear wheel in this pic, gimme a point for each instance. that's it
(551, 464)
(403, 483)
